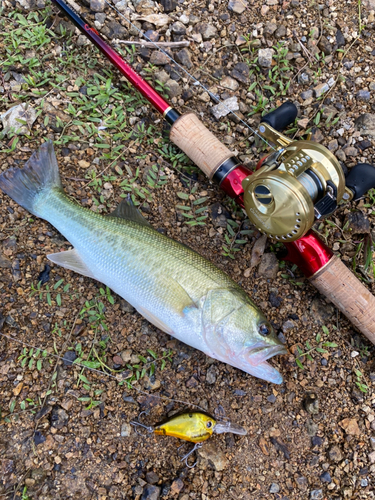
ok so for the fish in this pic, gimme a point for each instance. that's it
(171, 285)
(195, 427)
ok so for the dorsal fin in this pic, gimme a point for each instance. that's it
(126, 210)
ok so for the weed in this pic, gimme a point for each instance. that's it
(234, 238)
(319, 347)
(359, 382)
(28, 358)
(53, 295)
(193, 211)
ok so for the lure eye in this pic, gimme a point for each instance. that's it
(264, 329)
(209, 425)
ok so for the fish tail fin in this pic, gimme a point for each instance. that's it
(32, 183)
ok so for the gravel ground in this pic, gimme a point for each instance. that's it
(64, 429)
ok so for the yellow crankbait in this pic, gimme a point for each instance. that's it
(195, 427)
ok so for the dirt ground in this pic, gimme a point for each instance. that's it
(64, 428)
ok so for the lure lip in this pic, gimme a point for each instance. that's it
(223, 427)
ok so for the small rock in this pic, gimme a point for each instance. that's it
(159, 58)
(151, 35)
(311, 403)
(211, 375)
(269, 266)
(38, 438)
(326, 477)
(113, 29)
(340, 39)
(350, 426)
(150, 492)
(364, 483)
(183, 57)
(241, 72)
(173, 89)
(317, 135)
(317, 441)
(269, 28)
(207, 31)
(237, 6)
(219, 215)
(265, 57)
(320, 311)
(214, 457)
(275, 300)
(303, 79)
(178, 29)
(280, 32)
(177, 486)
(192, 382)
(225, 107)
(126, 307)
(152, 477)
(59, 417)
(325, 46)
(333, 145)
(316, 495)
(307, 94)
(69, 357)
(363, 95)
(229, 83)
(366, 124)
(371, 457)
(358, 223)
(271, 399)
(126, 430)
(4, 262)
(302, 483)
(168, 5)
(11, 119)
(128, 399)
(320, 89)
(274, 488)
(97, 5)
(335, 454)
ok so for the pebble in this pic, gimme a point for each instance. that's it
(97, 5)
(275, 488)
(357, 223)
(152, 477)
(225, 107)
(364, 95)
(241, 72)
(113, 29)
(320, 89)
(269, 266)
(173, 89)
(126, 430)
(316, 495)
(12, 115)
(333, 145)
(237, 6)
(168, 5)
(340, 39)
(265, 57)
(302, 483)
(229, 83)
(59, 417)
(350, 426)
(326, 477)
(311, 403)
(269, 28)
(207, 31)
(150, 492)
(307, 94)
(335, 454)
(211, 375)
(177, 486)
(69, 357)
(271, 398)
(371, 457)
(215, 458)
(159, 58)
(364, 483)
(184, 57)
(280, 32)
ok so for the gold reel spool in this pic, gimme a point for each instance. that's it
(281, 197)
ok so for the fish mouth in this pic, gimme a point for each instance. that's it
(258, 365)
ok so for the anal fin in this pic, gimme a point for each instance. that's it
(154, 320)
(71, 260)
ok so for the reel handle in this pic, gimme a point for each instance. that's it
(281, 117)
(360, 179)
(348, 294)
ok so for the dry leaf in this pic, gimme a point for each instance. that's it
(258, 250)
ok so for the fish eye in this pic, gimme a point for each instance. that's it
(264, 329)
(208, 425)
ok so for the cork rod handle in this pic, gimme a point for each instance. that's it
(199, 144)
(340, 285)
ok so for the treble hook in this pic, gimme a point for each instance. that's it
(185, 457)
(137, 423)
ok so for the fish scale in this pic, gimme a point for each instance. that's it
(171, 285)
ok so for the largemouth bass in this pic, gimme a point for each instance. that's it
(169, 284)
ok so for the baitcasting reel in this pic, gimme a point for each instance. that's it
(300, 182)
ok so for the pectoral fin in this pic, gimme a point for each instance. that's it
(71, 260)
(154, 320)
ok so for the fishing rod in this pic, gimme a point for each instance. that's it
(298, 183)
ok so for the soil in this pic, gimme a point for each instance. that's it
(64, 430)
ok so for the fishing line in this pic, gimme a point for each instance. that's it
(101, 373)
(216, 98)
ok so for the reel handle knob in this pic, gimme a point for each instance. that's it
(281, 117)
(360, 179)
